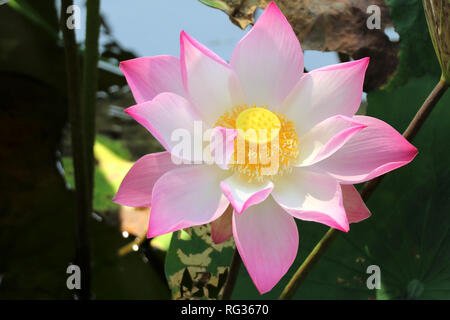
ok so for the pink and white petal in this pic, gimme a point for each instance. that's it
(168, 117)
(221, 229)
(210, 82)
(267, 240)
(326, 92)
(243, 194)
(222, 145)
(375, 150)
(268, 60)
(325, 138)
(136, 188)
(186, 197)
(312, 196)
(150, 76)
(354, 206)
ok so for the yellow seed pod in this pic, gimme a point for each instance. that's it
(264, 124)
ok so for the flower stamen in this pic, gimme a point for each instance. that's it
(267, 143)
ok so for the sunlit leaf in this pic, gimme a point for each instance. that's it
(196, 268)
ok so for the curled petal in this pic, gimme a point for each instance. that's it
(269, 59)
(150, 76)
(136, 188)
(221, 229)
(325, 92)
(325, 138)
(243, 194)
(186, 197)
(375, 150)
(312, 196)
(354, 206)
(267, 240)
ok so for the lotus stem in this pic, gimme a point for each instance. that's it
(81, 102)
(232, 275)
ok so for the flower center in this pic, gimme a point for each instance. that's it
(267, 143)
(258, 125)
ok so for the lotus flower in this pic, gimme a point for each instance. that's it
(323, 147)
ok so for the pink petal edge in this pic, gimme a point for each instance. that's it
(163, 115)
(355, 208)
(267, 240)
(211, 84)
(327, 137)
(374, 151)
(150, 76)
(325, 92)
(243, 194)
(137, 185)
(268, 59)
(186, 197)
(312, 196)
